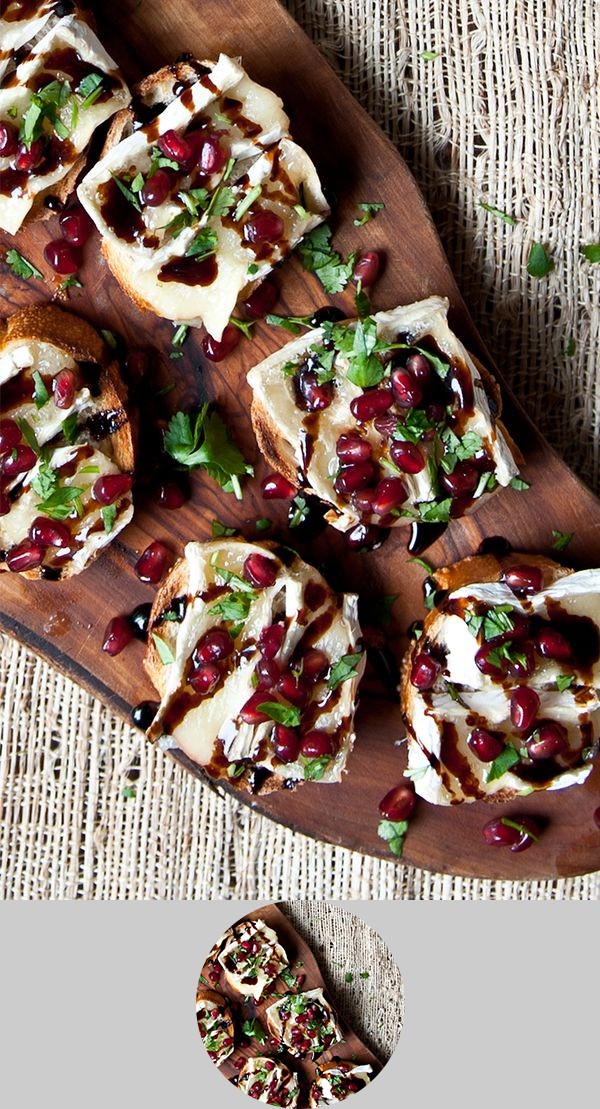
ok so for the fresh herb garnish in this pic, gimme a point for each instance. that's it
(429, 55)
(299, 511)
(314, 769)
(62, 502)
(281, 714)
(46, 104)
(109, 515)
(435, 512)
(343, 669)
(253, 1030)
(179, 338)
(128, 793)
(294, 324)
(245, 326)
(69, 428)
(361, 302)
(506, 759)
(318, 256)
(519, 484)
(165, 653)
(414, 426)
(288, 978)
(504, 216)
(234, 607)
(458, 449)
(570, 348)
(124, 187)
(525, 831)
(563, 681)
(218, 530)
(71, 282)
(539, 262)
(349, 977)
(22, 267)
(561, 539)
(90, 88)
(263, 523)
(369, 210)
(235, 769)
(246, 202)
(591, 252)
(393, 832)
(203, 245)
(423, 564)
(416, 772)
(204, 440)
(41, 395)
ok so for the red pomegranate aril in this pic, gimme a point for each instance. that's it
(354, 477)
(367, 268)
(353, 448)
(524, 579)
(260, 570)
(286, 743)
(314, 663)
(268, 673)
(553, 644)
(294, 689)
(462, 481)
(239, 1063)
(156, 188)
(63, 389)
(386, 425)
(524, 707)
(10, 435)
(398, 803)
(218, 349)
(9, 139)
(419, 367)
(390, 493)
(29, 157)
(19, 461)
(251, 712)
(49, 533)
(270, 640)
(498, 834)
(424, 671)
(174, 146)
(76, 225)
(316, 397)
(153, 562)
(548, 740)
(486, 666)
(108, 488)
(170, 495)
(62, 256)
(276, 487)
(203, 679)
(408, 393)
(214, 646)
(407, 457)
(363, 500)
(25, 556)
(316, 744)
(117, 635)
(264, 227)
(486, 746)
(5, 504)
(530, 832)
(371, 404)
(212, 156)
(261, 301)
(522, 663)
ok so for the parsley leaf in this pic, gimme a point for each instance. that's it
(318, 256)
(561, 539)
(519, 484)
(414, 426)
(62, 502)
(165, 653)
(263, 523)
(364, 367)
(393, 832)
(204, 440)
(369, 211)
(506, 759)
(203, 245)
(343, 669)
(314, 769)
(299, 511)
(282, 714)
(218, 529)
(234, 607)
(246, 202)
(429, 55)
(109, 515)
(127, 192)
(499, 213)
(458, 450)
(253, 1030)
(591, 252)
(22, 267)
(69, 428)
(349, 977)
(563, 681)
(245, 326)
(294, 324)
(435, 512)
(539, 262)
(570, 348)
(41, 395)
(90, 88)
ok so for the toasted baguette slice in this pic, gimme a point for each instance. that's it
(270, 1081)
(475, 613)
(70, 447)
(211, 592)
(192, 259)
(66, 54)
(284, 1026)
(337, 1080)
(251, 957)
(215, 1024)
(298, 418)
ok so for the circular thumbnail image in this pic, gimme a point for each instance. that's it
(300, 1004)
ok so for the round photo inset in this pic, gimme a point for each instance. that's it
(300, 1004)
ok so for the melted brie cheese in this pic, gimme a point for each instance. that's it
(47, 359)
(275, 1078)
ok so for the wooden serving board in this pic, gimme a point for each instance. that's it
(302, 962)
(64, 622)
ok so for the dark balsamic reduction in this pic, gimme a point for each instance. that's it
(257, 778)
(140, 619)
(118, 213)
(190, 271)
(53, 203)
(423, 536)
(102, 424)
(313, 523)
(12, 181)
(66, 62)
(329, 313)
(51, 573)
(495, 545)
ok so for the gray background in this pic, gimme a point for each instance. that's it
(98, 1004)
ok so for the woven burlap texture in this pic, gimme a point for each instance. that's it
(507, 113)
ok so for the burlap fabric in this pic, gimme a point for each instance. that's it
(508, 114)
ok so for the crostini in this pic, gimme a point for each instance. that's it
(215, 1024)
(500, 691)
(338, 1080)
(305, 1023)
(270, 1081)
(251, 956)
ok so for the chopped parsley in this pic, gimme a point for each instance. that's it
(263, 523)
(458, 449)
(563, 682)
(22, 267)
(203, 440)
(282, 714)
(435, 512)
(394, 833)
(109, 515)
(246, 202)
(218, 530)
(369, 211)
(539, 262)
(507, 758)
(124, 187)
(318, 256)
(90, 88)
(299, 511)
(254, 1031)
(314, 769)
(591, 252)
(234, 607)
(561, 539)
(429, 55)
(519, 484)
(165, 653)
(245, 326)
(203, 245)
(69, 428)
(294, 324)
(41, 395)
(343, 669)
(504, 216)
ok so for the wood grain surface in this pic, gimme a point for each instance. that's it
(64, 622)
(298, 952)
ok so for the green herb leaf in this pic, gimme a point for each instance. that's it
(561, 539)
(254, 1031)
(288, 978)
(314, 769)
(28, 434)
(62, 503)
(364, 367)
(343, 669)
(393, 832)
(109, 338)
(423, 564)
(591, 252)
(180, 335)
(221, 202)
(570, 348)
(416, 772)
(539, 262)
(245, 326)
(203, 245)
(362, 302)
(294, 324)
(299, 511)
(90, 88)
(128, 792)
(69, 428)
(504, 216)
(318, 256)
(246, 202)
(41, 395)
(165, 653)
(281, 714)
(263, 524)
(234, 607)
(429, 55)
(204, 440)
(22, 267)
(252, 269)
(71, 282)
(218, 530)
(519, 484)
(414, 426)
(508, 823)
(435, 512)
(349, 977)
(138, 183)
(369, 211)
(507, 758)
(235, 770)
(563, 681)
(109, 515)
(127, 192)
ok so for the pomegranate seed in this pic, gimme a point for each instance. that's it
(276, 487)
(407, 390)
(175, 146)
(462, 481)
(153, 562)
(524, 707)
(108, 488)
(354, 477)
(25, 556)
(251, 713)
(389, 494)
(117, 635)
(260, 570)
(549, 739)
(386, 425)
(264, 227)
(268, 1064)
(268, 673)
(424, 671)
(76, 225)
(524, 579)
(19, 461)
(5, 504)
(315, 397)
(62, 256)
(63, 389)
(371, 404)
(367, 268)
(316, 744)
(214, 646)
(483, 663)
(407, 457)
(499, 833)
(214, 975)
(29, 158)
(286, 743)
(227, 1041)
(300, 980)
(10, 435)
(435, 413)
(156, 188)
(239, 1063)
(314, 663)
(217, 349)
(212, 155)
(364, 537)
(399, 803)
(419, 367)
(9, 140)
(553, 644)
(261, 301)
(270, 640)
(49, 533)
(353, 448)
(485, 745)
(294, 689)
(204, 678)
(169, 494)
